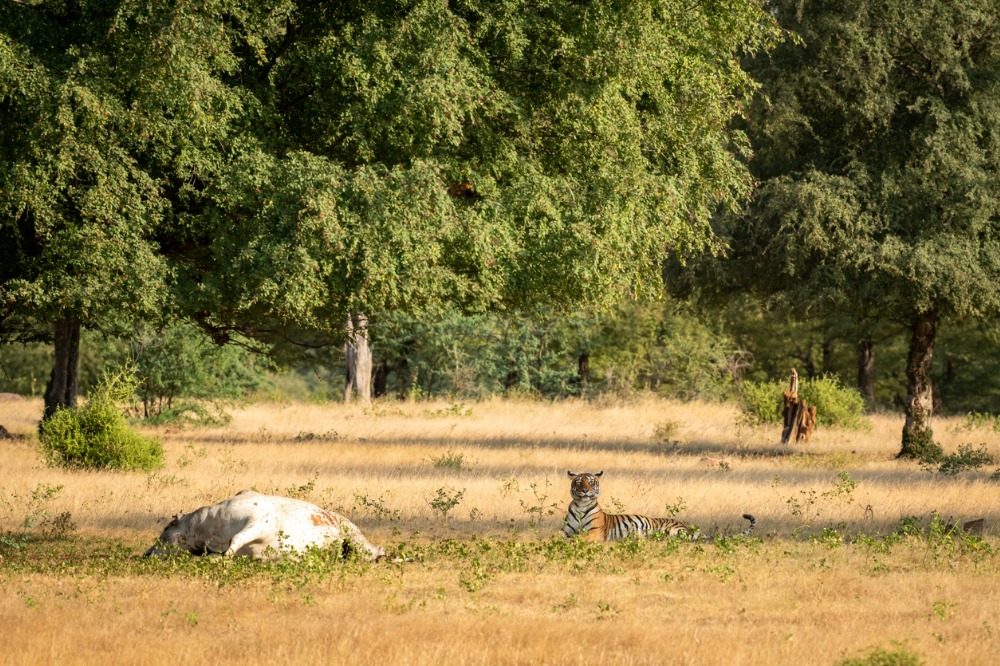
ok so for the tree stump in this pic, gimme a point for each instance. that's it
(798, 416)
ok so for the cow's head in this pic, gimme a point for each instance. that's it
(169, 540)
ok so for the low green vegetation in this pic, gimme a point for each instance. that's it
(663, 347)
(836, 405)
(966, 458)
(96, 435)
(44, 544)
(934, 546)
(450, 460)
(898, 656)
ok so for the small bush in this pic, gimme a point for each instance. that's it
(879, 657)
(965, 458)
(446, 500)
(666, 431)
(836, 405)
(96, 436)
(980, 420)
(761, 402)
(449, 460)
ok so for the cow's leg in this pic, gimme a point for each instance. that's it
(248, 534)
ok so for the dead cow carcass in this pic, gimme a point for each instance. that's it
(261, 526)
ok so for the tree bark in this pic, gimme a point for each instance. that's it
(380, 379)
(61, 390)
(583, 368)
(827, 352)
(359, 360)
(918, 438)
(866, 372)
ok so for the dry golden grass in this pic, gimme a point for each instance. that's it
(787, 599)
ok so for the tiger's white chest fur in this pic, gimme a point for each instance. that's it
(582, 517)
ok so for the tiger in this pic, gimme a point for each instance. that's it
(586, 518)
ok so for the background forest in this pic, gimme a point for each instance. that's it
(665, 347)
(563, 198)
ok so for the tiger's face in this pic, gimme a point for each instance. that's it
(585, 486)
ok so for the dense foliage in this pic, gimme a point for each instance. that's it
(266, 170)
(878, 152)
(655, 347)
(176, 366)
(664, 347)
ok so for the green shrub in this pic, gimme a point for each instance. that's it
(177, 367)
(96, 435)
(880, 657)
(761, 402)
(836, 405)
(965, 458)
(981, 420)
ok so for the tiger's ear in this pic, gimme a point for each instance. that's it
(600, 474)
(571, 474)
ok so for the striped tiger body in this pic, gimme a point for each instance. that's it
(586, 518)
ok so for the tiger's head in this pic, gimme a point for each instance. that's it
(585, 486)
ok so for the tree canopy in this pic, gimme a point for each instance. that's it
(263, 168)
(878, 152)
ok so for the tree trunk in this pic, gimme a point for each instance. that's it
(866, 372)
(63, 382)
(359, 360)
(583, 368)
(380, 379)
(918, 439)
(827, 351)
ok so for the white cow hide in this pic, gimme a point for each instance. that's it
(260, 526)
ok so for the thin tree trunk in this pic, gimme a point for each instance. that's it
(380, 379)
(359, 360)
(866, 372)
(918, 439)
(827, 351)
(350, 360)
(61, 390)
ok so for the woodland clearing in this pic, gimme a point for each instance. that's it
(851, 556)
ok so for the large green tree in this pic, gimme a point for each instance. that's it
(269, 169)
(107, 111)
(878, 149)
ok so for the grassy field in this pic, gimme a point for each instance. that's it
(848, 562)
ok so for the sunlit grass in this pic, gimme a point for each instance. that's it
(489, 579)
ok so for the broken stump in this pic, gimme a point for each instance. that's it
(799, 417)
